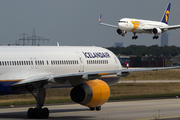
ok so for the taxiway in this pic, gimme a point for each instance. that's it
(165, 109)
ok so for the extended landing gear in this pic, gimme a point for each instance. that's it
(96, 108)
(134, 37)
(155, 37)
(38, 111)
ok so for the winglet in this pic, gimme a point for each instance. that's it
(100, 16)
(165, 17)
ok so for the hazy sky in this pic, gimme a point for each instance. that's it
(75, 22)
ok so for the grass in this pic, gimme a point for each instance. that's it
(118, 91)
(154, 75)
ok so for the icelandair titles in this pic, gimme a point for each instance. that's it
(96, 54)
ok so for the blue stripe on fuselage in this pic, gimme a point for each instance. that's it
(5, 86)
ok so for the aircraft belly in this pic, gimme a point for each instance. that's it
(5, 87)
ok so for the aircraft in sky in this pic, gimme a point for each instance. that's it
(143, 26)
(88, 70)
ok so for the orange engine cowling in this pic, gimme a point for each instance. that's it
(93, 93)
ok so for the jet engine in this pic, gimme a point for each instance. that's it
(121, 32)
(93, 93)
(156, 31)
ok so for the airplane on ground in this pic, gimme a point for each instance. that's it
(89, 70)
(143, 26)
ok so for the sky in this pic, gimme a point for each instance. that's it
(75, 22)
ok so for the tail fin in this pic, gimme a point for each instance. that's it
(100, 16)
(165, 17)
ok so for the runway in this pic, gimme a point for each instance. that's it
(163, 109)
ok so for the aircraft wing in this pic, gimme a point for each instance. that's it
(164, 28)
(60, 78)
(170, 27)
(109, 25)
(105, 24)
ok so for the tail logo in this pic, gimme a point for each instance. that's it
(100, 18)
(167, 15)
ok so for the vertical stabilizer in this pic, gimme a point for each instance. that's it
(165, 17)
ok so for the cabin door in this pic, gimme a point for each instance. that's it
(81, 62)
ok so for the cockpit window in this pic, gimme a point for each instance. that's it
(123, 21)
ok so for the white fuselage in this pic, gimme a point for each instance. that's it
(138, 25)
(18, 62)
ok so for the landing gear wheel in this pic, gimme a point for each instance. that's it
(35, 111)
(136, 37)
(93, 108)
(155, 37)
(45, 112)
(39, 113)
(30, 113)
(98, 108)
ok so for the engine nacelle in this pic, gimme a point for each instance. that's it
(93, 93)
(156, 31)
(121, 32)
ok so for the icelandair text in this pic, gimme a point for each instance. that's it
(96, 54)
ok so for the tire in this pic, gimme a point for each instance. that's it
(39, 113)
(45, 112)
(98, 108)
(30, 113)
(93, 108)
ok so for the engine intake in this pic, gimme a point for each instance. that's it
(121, 32)
(156, 31)
(93, 93)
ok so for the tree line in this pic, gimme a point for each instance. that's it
(142, 50)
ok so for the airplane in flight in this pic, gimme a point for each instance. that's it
(143, 26)
(89, 70)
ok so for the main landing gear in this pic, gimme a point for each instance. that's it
(135, 36)
(96, 108)
(38, 111)
(155, 37)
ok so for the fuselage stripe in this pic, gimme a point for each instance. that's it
(10, 80)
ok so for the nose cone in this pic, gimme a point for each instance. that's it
(121, 24)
